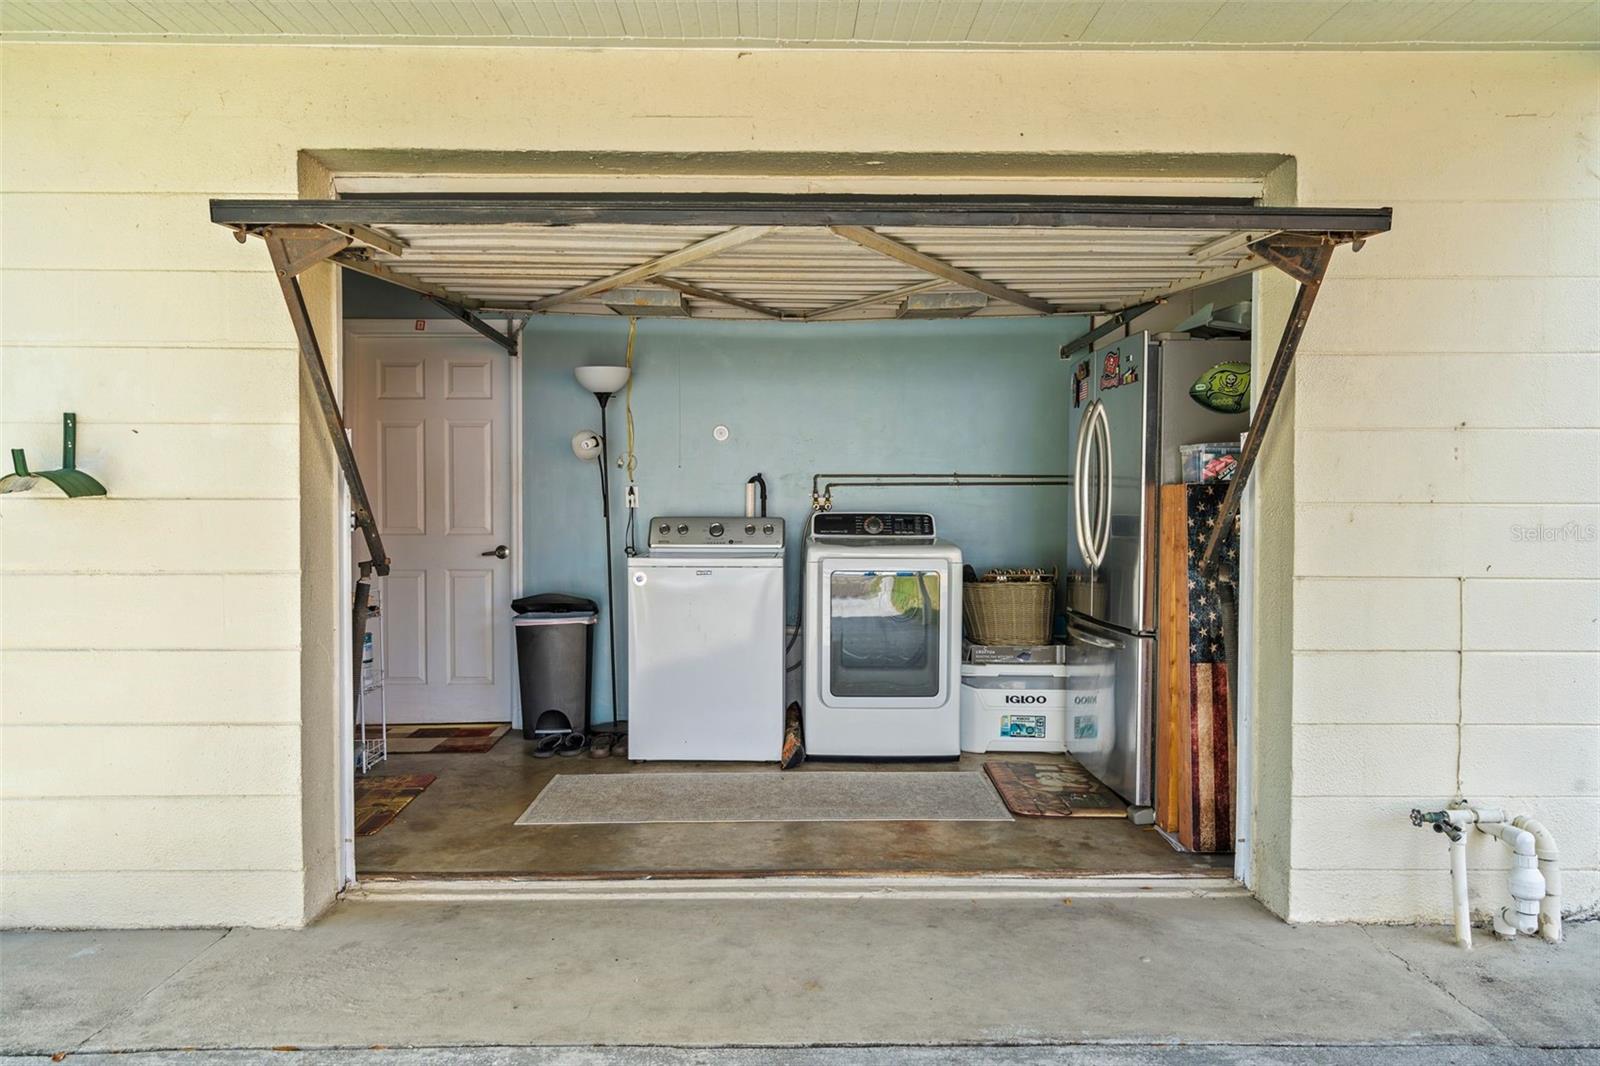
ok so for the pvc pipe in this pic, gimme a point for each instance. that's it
(1550, 867)
(1463, 817)
(1526, 883)
(1519, 840)
(1458, 891)
(1535, 878)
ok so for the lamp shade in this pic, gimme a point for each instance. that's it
(602, 380)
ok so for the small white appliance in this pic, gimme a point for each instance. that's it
(883, 638)
(705, 640)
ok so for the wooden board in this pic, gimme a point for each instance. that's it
(1173, 655)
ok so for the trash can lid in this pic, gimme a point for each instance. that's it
(551, 604)
(565, 618)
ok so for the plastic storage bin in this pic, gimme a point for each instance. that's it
(555, 655)
(1209, 462)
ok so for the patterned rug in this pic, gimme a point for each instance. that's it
(472, 737)
(379, 798)
(1052, 789)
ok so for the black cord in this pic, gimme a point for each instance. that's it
(611, 595)
(787, 648)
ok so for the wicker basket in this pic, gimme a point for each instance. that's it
(1008, 612)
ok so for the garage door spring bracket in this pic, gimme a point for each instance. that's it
(294, 250)
(1306, 260)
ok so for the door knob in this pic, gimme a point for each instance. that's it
(500, 552)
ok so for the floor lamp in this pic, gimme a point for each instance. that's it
(603, 381)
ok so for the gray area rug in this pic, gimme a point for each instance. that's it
(818, 796)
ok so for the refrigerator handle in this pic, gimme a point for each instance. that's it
(1100, 530)
(1103, 519)
(1098, 642)
(1080, 484)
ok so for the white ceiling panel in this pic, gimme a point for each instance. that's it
(1239, 22)
(1508, 20)
(1043, 24)
(1578, 28)
(1146, 21)
(1373, 21)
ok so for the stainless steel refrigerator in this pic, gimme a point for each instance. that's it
(1127, 420)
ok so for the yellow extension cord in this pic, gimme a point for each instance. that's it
(631, 461)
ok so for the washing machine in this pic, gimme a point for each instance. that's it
(883, 638)
(705, 640)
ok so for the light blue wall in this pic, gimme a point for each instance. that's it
(977, 395)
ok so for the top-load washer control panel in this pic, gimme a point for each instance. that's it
(713, 534)
(877, 525)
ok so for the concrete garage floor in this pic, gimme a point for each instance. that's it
(1164, 977)
(463, 824)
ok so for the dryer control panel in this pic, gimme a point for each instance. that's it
(875, 525)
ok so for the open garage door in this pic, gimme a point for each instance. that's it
(795, 258)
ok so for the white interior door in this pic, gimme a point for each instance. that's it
(431, 416)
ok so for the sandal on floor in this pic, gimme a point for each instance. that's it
(600, 745)
(547, 745)
(571, 744)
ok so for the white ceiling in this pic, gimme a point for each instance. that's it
(1302, 24)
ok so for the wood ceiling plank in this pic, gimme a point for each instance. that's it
(693, 253)
(690, 289)
(910, 256)
(876, 298)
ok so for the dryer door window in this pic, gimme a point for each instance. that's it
(885, 634)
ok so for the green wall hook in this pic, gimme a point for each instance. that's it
(69, 479)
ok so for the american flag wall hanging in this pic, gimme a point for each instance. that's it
(1194, 722)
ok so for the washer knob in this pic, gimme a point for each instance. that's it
(683, 529)
(767, 529)
(873, 525)
(663, 529)
(750, 529)
(716, 529)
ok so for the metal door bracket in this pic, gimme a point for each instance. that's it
(507, 341)
(302, 247)
(1306, 260)
(1117, 320)
(1303, 257)
(295, 249)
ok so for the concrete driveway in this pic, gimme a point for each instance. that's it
(1031, 980)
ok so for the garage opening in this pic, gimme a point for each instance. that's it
(931, 500)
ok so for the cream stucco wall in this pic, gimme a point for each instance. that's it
(167, 675)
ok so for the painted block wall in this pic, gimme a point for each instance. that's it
(981, 395)
(1472, 327)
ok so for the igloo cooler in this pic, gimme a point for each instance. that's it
(1013, 707)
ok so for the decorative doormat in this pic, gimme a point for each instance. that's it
(380, 797)
(1053, 789)
(771, 796)
(470, 737)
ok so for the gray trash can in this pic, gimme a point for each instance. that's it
(555, 651)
